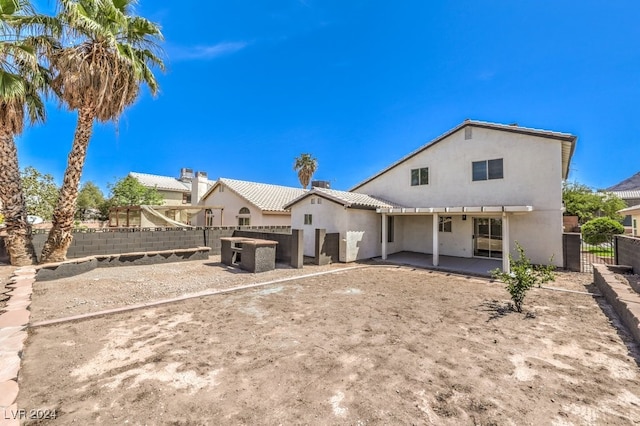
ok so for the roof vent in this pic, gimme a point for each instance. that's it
(201, 174)
(186, 174)
(321, 184)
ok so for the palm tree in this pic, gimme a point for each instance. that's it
(23, 81)
(306, 166)
(99, 74)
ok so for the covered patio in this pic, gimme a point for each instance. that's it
(473, 265)
(459, 265)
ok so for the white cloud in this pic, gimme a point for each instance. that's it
(206, 52)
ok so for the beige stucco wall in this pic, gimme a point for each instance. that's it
(532, 168)
(171, 198)
(232, 204)
(326, 215)
(359, 229)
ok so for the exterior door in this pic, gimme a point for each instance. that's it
(487, 237)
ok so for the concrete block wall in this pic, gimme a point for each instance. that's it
(571, 252)
(283, 249)
(628, 252)
(327, 247)
(136, 240)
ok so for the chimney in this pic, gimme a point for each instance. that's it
(321, 184)
(186, 174)
(199, 186)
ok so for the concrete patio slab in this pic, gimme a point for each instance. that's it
(459, 265)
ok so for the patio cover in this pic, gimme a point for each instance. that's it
(504, 211)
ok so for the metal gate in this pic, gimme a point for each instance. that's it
(597, 253)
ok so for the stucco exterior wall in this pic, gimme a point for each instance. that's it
(232, 204)
(326, 215)
(171, 198)
(532, 170)
(361, 237)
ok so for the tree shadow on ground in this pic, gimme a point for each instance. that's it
(496, 309)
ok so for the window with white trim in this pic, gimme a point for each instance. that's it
(444, 224)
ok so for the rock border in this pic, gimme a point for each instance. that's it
(13, 334)
(625, 301)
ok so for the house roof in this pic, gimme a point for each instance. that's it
(266, 197)
(568, 143)
(627, 195)
(629, 184)
(166, 183)
(347, 199)
(630, 210)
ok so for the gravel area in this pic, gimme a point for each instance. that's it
(107, 288)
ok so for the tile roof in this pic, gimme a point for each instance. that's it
(166, 183)
(568, 144)
(347, 199)
(627, 195)
(629, 184)
(265, 196)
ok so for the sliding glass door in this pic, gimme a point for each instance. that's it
(487, 237)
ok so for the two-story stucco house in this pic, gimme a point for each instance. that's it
(472, 192)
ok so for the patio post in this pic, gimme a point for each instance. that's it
(505, 243)
(436, 245)
(384, 236)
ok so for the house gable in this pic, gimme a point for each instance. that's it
(530, 171)
(566, 140)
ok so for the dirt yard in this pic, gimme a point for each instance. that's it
(377, 345)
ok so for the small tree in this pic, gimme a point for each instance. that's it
(580, 200)
(90, 200)
(601, 230)
(130, 192)
(523, 276)
(40, 192)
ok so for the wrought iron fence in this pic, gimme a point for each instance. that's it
(597, 253)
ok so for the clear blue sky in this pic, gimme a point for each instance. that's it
(359, 84)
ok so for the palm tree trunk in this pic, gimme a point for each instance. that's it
(18, 241)
(59, 239)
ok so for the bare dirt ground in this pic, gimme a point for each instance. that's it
(378, 345)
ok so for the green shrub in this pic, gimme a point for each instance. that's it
(523, 276)
(600, 230)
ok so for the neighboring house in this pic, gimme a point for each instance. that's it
(472, 192)
(629, 191)
(242, 203)
(180, 196)
(633, 213)
(177, 191)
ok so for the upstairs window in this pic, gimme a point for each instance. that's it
(308, 219)
(487, 169)
(420, 176)
(186, 198)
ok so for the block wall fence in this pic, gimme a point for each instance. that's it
(141, 240)
(628, 252)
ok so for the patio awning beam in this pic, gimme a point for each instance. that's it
(456, 210)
